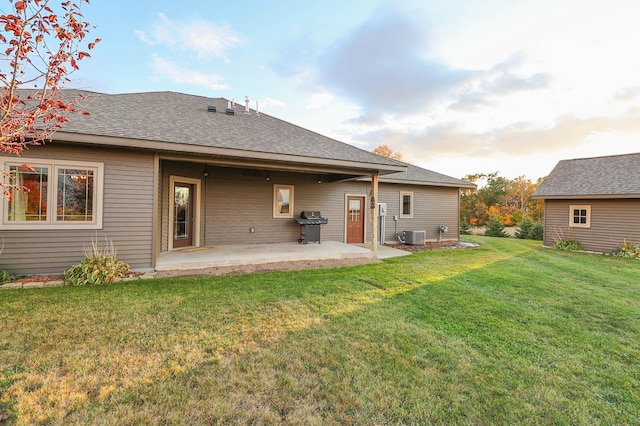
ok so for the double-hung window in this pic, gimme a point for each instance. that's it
(48, 194)
(406, 205)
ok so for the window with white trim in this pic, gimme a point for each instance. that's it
(406, 204)
(580, 216)
(282, 201)
(53, 195)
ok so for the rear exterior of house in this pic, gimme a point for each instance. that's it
(594, 201)
(148, 191)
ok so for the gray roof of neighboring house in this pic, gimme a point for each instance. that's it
(616, 176)
(419, 176)
(183, 119)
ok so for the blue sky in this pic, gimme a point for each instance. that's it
(456, 86)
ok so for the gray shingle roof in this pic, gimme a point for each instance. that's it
(183, 119)
(600, 177)
(420, 176)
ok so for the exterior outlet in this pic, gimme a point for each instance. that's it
(252, 230)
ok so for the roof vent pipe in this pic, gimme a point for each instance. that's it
(246, 106)
(257, 109)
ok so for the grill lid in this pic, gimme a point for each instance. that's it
(310, 214)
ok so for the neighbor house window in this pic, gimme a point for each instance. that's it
(580, 216)
(283, 201)
(53, 194)
(406, 204)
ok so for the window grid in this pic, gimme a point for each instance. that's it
(580, 216)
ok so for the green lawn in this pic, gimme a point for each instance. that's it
(508, 333)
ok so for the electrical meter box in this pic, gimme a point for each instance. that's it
(382, 209)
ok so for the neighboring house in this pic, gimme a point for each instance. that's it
(595, 201)
(160, 171)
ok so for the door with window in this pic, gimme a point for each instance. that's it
(355, 220)
(183, 214)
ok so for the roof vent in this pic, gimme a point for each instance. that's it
(229, 111)
(212, 108)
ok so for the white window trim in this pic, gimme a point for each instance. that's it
(196, 208)
(402, 215)
(580, 207)
(51, 222)
(276, 214)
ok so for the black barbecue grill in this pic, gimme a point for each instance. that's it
(310, 222)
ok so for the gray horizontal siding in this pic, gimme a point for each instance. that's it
(612, 223)
(432, 206)
(127, 215)
(237, 200)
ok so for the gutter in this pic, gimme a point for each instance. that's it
(155, 146)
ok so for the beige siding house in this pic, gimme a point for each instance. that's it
(162, 171)
(595, 201)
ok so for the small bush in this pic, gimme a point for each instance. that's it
(99, 267)
(495, 228)
(465, 228)
(537, 232)
(567, 245)
(524, 230)
(627, 250)
(529, 230)
(5, 276)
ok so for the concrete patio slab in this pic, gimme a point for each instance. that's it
(248, 254)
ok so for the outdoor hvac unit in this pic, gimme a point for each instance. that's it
(415, 238)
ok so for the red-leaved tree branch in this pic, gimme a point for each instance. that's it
(40, 48)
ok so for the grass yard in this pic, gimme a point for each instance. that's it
(508, 333)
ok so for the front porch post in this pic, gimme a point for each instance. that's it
(374, 215)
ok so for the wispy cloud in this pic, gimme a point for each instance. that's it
(385, 64)
(319, 99)
(271, 102)
(518, 139)
(201, 37)
(182, 75)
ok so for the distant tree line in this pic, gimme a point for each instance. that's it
(500, 202)
(496, 203)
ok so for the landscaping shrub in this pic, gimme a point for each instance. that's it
(465, 228)
(529, 230)
(537, 232)
(627, 250)
(567, 244)
(495, 228)
(99, 267)
(5, 276)
(525, 228)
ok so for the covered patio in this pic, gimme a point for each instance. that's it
(253, 254)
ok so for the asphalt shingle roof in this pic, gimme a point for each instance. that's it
(415, 174)
(184, 119)
(617, 175)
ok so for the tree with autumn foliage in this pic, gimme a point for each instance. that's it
(386, 151)
(41, 47)
(508, 200)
